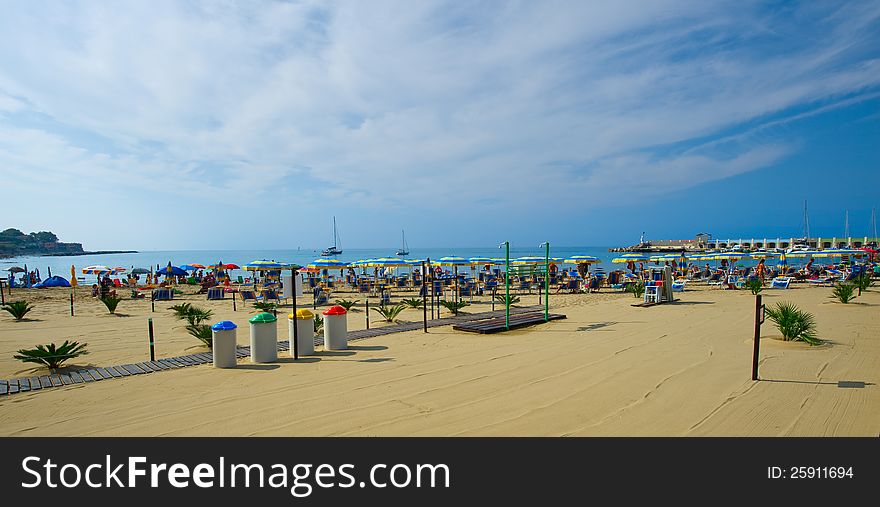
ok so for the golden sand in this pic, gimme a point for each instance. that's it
(608, 369)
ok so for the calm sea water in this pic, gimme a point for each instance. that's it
(61, 265)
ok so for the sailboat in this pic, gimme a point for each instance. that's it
(404, 250)
(802, 245)
(333, 250)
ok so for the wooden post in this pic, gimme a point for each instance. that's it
(2, 295)
(424, 299)
(233, 302)
(152, 303)
(152, 346)
(759, 319)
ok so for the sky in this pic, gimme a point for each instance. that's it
(202, 125)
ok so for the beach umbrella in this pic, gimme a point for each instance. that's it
(73, 280)
(229, 266)
(140, 271)
(451, 261)
(196, 265)
(170, 270)
(15, 269)
(263, 265)
(324, 263)
(530, 259)
(481, 260)
(582, 259)
(188, 267)
(97, 269)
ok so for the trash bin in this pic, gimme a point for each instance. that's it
(335, 328)
(305, 322)
(224, 342)
(264, 338)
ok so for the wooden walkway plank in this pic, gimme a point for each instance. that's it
(13, 386)
(95, 374)
(24, 384)
(133, 369)
(104, 373)
(35, 384)
(148, 367)
(76, 377)
(4, 387)
(55, 379)
(45, 382)
(65, 379)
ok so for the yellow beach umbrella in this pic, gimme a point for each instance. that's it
(73, 280)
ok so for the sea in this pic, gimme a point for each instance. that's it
(157, 259)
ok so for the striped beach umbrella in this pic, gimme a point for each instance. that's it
(451, 261)
(582, 259)
(97, 269)
(533, 259)
(482, 260)
(630, 257)
(327, 263)
(264, 265)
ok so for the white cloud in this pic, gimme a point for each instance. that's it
(375, 99)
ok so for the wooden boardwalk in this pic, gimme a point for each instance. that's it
(96, 374)
(499, 324)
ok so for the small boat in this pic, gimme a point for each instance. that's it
(333, 250)
(404, 250)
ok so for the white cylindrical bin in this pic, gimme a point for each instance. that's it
(288, 286)
(335, 328)
(224, 342)
(305, 332)
(264, 338)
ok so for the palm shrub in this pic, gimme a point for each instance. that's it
(794, 323)
(265, 306)
(345, 303)
(503, 299)
(863, 281)
(755, 285)
(18, 309)
(637, 288)
(412, 302)
(319, 323)
(196, 315)
(50, 355)
(454, 306)
(202, 332)
(111, 302)
(389, 313)
(844, 292)
(181, 310)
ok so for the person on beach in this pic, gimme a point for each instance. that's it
(760, 270)
(94, 290)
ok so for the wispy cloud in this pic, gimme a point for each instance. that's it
(362, 102)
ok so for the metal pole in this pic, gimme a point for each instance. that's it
(295, 344)
(368, 312)
(424, 299)
(233, 302)
(71, 302)
(152, 345)
(507, 285)
(547, 282)
(759, 318)
(152, 303)
(433, 290)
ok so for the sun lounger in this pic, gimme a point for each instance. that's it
(247, 295)
(716, 279)
(162, 295)
(822, 281)
(215, 293)
(780, 282)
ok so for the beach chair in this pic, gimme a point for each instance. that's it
(247, 295)
(162, 295)
(716, 279)
(215, 293)
(321, 296)
(822, 281)
(679, 285)
(780, 282)
(385, 298)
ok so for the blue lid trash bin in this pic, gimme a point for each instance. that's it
(224, 344)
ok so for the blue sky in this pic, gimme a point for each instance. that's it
(194, 125)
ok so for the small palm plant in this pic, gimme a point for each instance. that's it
(844, 292)
(111, 302)
(863, 281)
(637, 288)
(503, 299)
(265, 306)
(52, 356)
(412, 303)
(454, 306)
(203, 333)
(181, 310)
(755, 285)
(18, 309)
(319, 323)
(196, 315)
(794, 323)
(345, 303)
(390, 313)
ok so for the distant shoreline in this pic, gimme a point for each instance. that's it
(97, 252)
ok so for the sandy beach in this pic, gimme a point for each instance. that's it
(679, 369)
